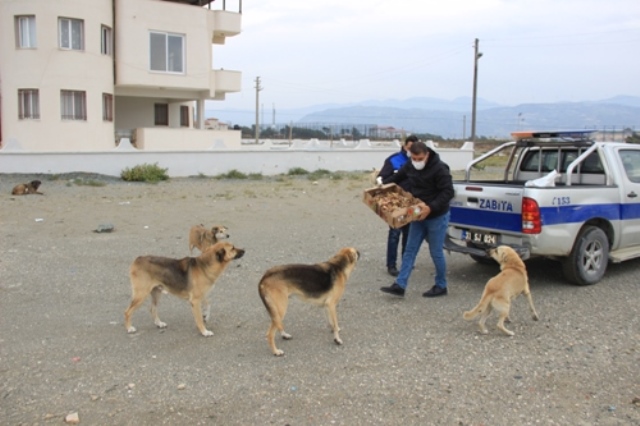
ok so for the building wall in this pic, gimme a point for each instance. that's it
(135, 21)
(50, 70)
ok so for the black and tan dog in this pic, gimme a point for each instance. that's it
(190, 278)
(27, 188)
(502, 289)
(321, 284)
(203, 238)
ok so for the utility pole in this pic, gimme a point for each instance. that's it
(476, 55)
(258, 89)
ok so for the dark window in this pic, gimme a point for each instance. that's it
(107, 107)
(184, 116)
(161, 114)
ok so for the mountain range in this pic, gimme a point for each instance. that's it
(452, 118)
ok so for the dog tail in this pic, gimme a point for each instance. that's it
(480, 308)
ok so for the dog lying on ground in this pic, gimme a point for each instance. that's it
(190, 278)
(27, 188)
(321, 284)
(202, 238)
(501, 289)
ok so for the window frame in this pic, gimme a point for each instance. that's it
(28, 110)
(70, 33)
(107, 107)
(161, 114)
(167, 54)
(106, 40)
(78, 109)
(31, 32)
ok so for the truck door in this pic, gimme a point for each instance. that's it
(630, 203)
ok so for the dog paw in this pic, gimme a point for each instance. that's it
(161, 324)
(131, 330)
(484, 331)
(207, 333)
(286, 336)
(278, 352)
(338, 341)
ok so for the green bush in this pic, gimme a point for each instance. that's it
(297, 171)
(232, 174)
(144, 173)
(318, 174)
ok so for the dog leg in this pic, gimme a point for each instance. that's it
(333, 320)
(534, 314)
(155, 298)
(503, 309)
(206, 313)
(136, 300)
(197, 316)
(483, 318)
(278, 309)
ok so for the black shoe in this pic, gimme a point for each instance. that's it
(394, 289)
(393, 271)
(435, 292)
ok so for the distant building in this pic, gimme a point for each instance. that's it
(387, 132)
(78, 75)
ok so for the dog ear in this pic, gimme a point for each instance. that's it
(220, 254)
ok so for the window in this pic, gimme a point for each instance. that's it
(106, 45)
(631, 162)
(29, 104)
(161, 112)
(184, 116)
(107, 107)
(71, 33)
(26, 32)
(166, 52)
(73, 105)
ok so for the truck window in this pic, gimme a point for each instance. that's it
(631, 162)
(549, 161)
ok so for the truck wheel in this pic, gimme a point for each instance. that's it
(588, 260)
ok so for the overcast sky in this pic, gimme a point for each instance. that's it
(342, 51)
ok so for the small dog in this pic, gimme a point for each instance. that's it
(322, 284)
(190, 278)
(27, 188)
(501, 289)
(202, 238)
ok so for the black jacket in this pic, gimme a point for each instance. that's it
(433, 184)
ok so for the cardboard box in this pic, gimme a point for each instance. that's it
(391, 203)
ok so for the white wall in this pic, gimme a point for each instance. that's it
(211, 162)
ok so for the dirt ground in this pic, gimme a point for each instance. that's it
(64, 349)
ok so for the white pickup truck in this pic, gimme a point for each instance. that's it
(587, 216)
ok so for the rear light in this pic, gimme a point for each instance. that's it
(531, 220)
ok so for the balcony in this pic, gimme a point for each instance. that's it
(224, 81)
(225, 24)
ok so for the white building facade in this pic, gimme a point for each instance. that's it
(79, 75)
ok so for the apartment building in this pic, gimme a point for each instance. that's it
(79, 75)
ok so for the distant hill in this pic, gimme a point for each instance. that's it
(452, 119)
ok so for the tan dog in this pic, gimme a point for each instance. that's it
(501, 289)
(27, 188)
(190, 278)
(321, 284)
(202, 238)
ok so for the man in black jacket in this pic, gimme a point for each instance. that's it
(431, 182)
(391, 165)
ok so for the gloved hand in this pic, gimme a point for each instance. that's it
(379, 181)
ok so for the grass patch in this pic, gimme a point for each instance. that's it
(87, 182)
(255, 176)
(297, 171)
(232, 174)
(319, 174)
(151, 173)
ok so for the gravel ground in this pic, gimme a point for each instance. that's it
(64, 349)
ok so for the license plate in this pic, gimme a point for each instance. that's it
(480, 237)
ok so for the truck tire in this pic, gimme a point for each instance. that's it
(588, 260)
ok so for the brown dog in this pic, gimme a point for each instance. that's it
(190, 278)
(321, 284)
(501, 289)
(27, 188)
(202, 238)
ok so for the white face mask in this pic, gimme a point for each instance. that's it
(419, 165)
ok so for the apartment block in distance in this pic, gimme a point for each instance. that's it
(80, 75)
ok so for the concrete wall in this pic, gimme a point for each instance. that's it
(264, 159)
(161, 139)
